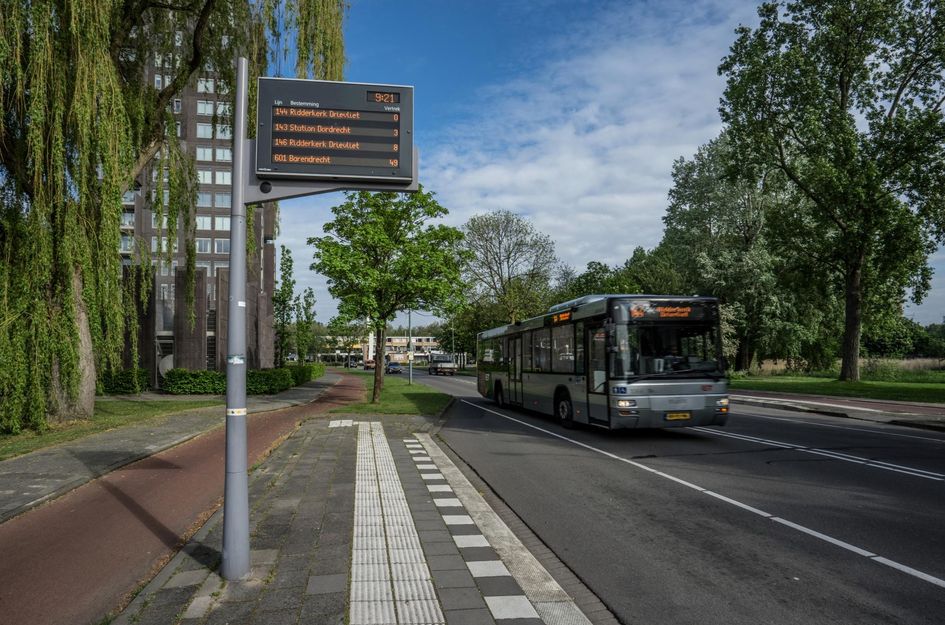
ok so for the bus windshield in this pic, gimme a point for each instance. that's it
(676, 349)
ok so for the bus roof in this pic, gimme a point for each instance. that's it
(594, 301)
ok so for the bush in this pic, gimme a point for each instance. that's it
(186, 382)
(268, 381)
(258, 381)
(125, 381)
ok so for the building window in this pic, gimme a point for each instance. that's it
(204, 153)
(154, 221)
(221, 246)
(202, 222)
(204, 107)
(126, 244)
(205, 176)
(202, 245)
(128, 197)
(224, 155)
(223, 108)
(178, 38)
(128, 220)
(205, 131)
(177, 105)
(223, 176)
(204, 199)
(224, 132)
(178, 127)
(222, 200)
(158, 81)
(204, 85)
(221, 223)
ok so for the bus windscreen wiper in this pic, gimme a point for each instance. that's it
(662, 374)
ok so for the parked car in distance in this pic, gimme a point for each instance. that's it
(368, 364)
(393, 367)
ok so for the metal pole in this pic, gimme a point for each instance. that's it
(236, 489)
(409, 350)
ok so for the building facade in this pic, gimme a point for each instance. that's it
(170, 335)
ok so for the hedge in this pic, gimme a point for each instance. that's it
(125, 381)
(258, 381)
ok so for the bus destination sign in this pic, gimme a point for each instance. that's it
(667, 310)
(316, 129)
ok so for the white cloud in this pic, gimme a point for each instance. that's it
(584, 144)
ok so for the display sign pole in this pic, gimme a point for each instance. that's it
(368, 146)
(236, 487)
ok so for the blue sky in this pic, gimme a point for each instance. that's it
(568, 112)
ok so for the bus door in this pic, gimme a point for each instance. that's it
(597, 387)
(515, 370)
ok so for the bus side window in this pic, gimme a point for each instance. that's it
(579, 348)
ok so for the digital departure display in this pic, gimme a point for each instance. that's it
(332, 130)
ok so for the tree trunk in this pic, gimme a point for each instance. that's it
(743, 356)
(853, 322)
(63, 405)
(378, 364)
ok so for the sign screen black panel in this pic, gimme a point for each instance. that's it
(334, 131)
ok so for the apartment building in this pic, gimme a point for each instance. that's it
(168, 339)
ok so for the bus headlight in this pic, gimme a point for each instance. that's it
(626, 403)
(721, 405)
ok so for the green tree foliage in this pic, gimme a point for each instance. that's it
(511, 263)
(383, 256)
(719, 233)
(304, 323)
(346, 333)
(845, 100)
(81, 120)
(282, 306)
(597, 277)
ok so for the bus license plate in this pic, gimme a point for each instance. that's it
(677, 416)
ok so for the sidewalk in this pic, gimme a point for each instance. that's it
(911, 414)
(31, 479)
(361, 521)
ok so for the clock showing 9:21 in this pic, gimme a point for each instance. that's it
(325, 130)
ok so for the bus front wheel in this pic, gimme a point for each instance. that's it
(564, 410)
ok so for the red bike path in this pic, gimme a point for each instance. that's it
(81, 556)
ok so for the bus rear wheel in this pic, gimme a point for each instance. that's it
(564, 410)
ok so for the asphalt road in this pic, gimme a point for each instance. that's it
(779, 517)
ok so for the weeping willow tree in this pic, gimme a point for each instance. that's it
(81, 122)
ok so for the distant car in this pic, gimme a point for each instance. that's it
(368, 364)
(393, 367)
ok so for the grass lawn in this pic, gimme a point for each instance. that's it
(109, 413)
(933, 392)
(398, 397)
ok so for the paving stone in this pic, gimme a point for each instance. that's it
(453, 579)
(277, 599)
(324, 609)
(492, 568)
(198, 607)
(446, 563)
(326, 584)
(431, 525)
(501, 586)
(187, 578)
(178, 596)
(243, 590)
(291, 577)
(469, 617)
(514, 607)
(159, 615)
(440, 549)
(461, 598)
(435, 536)
(281, 617)
(478, 553)
(231, 613)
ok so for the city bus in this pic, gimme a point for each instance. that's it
(612, 361)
